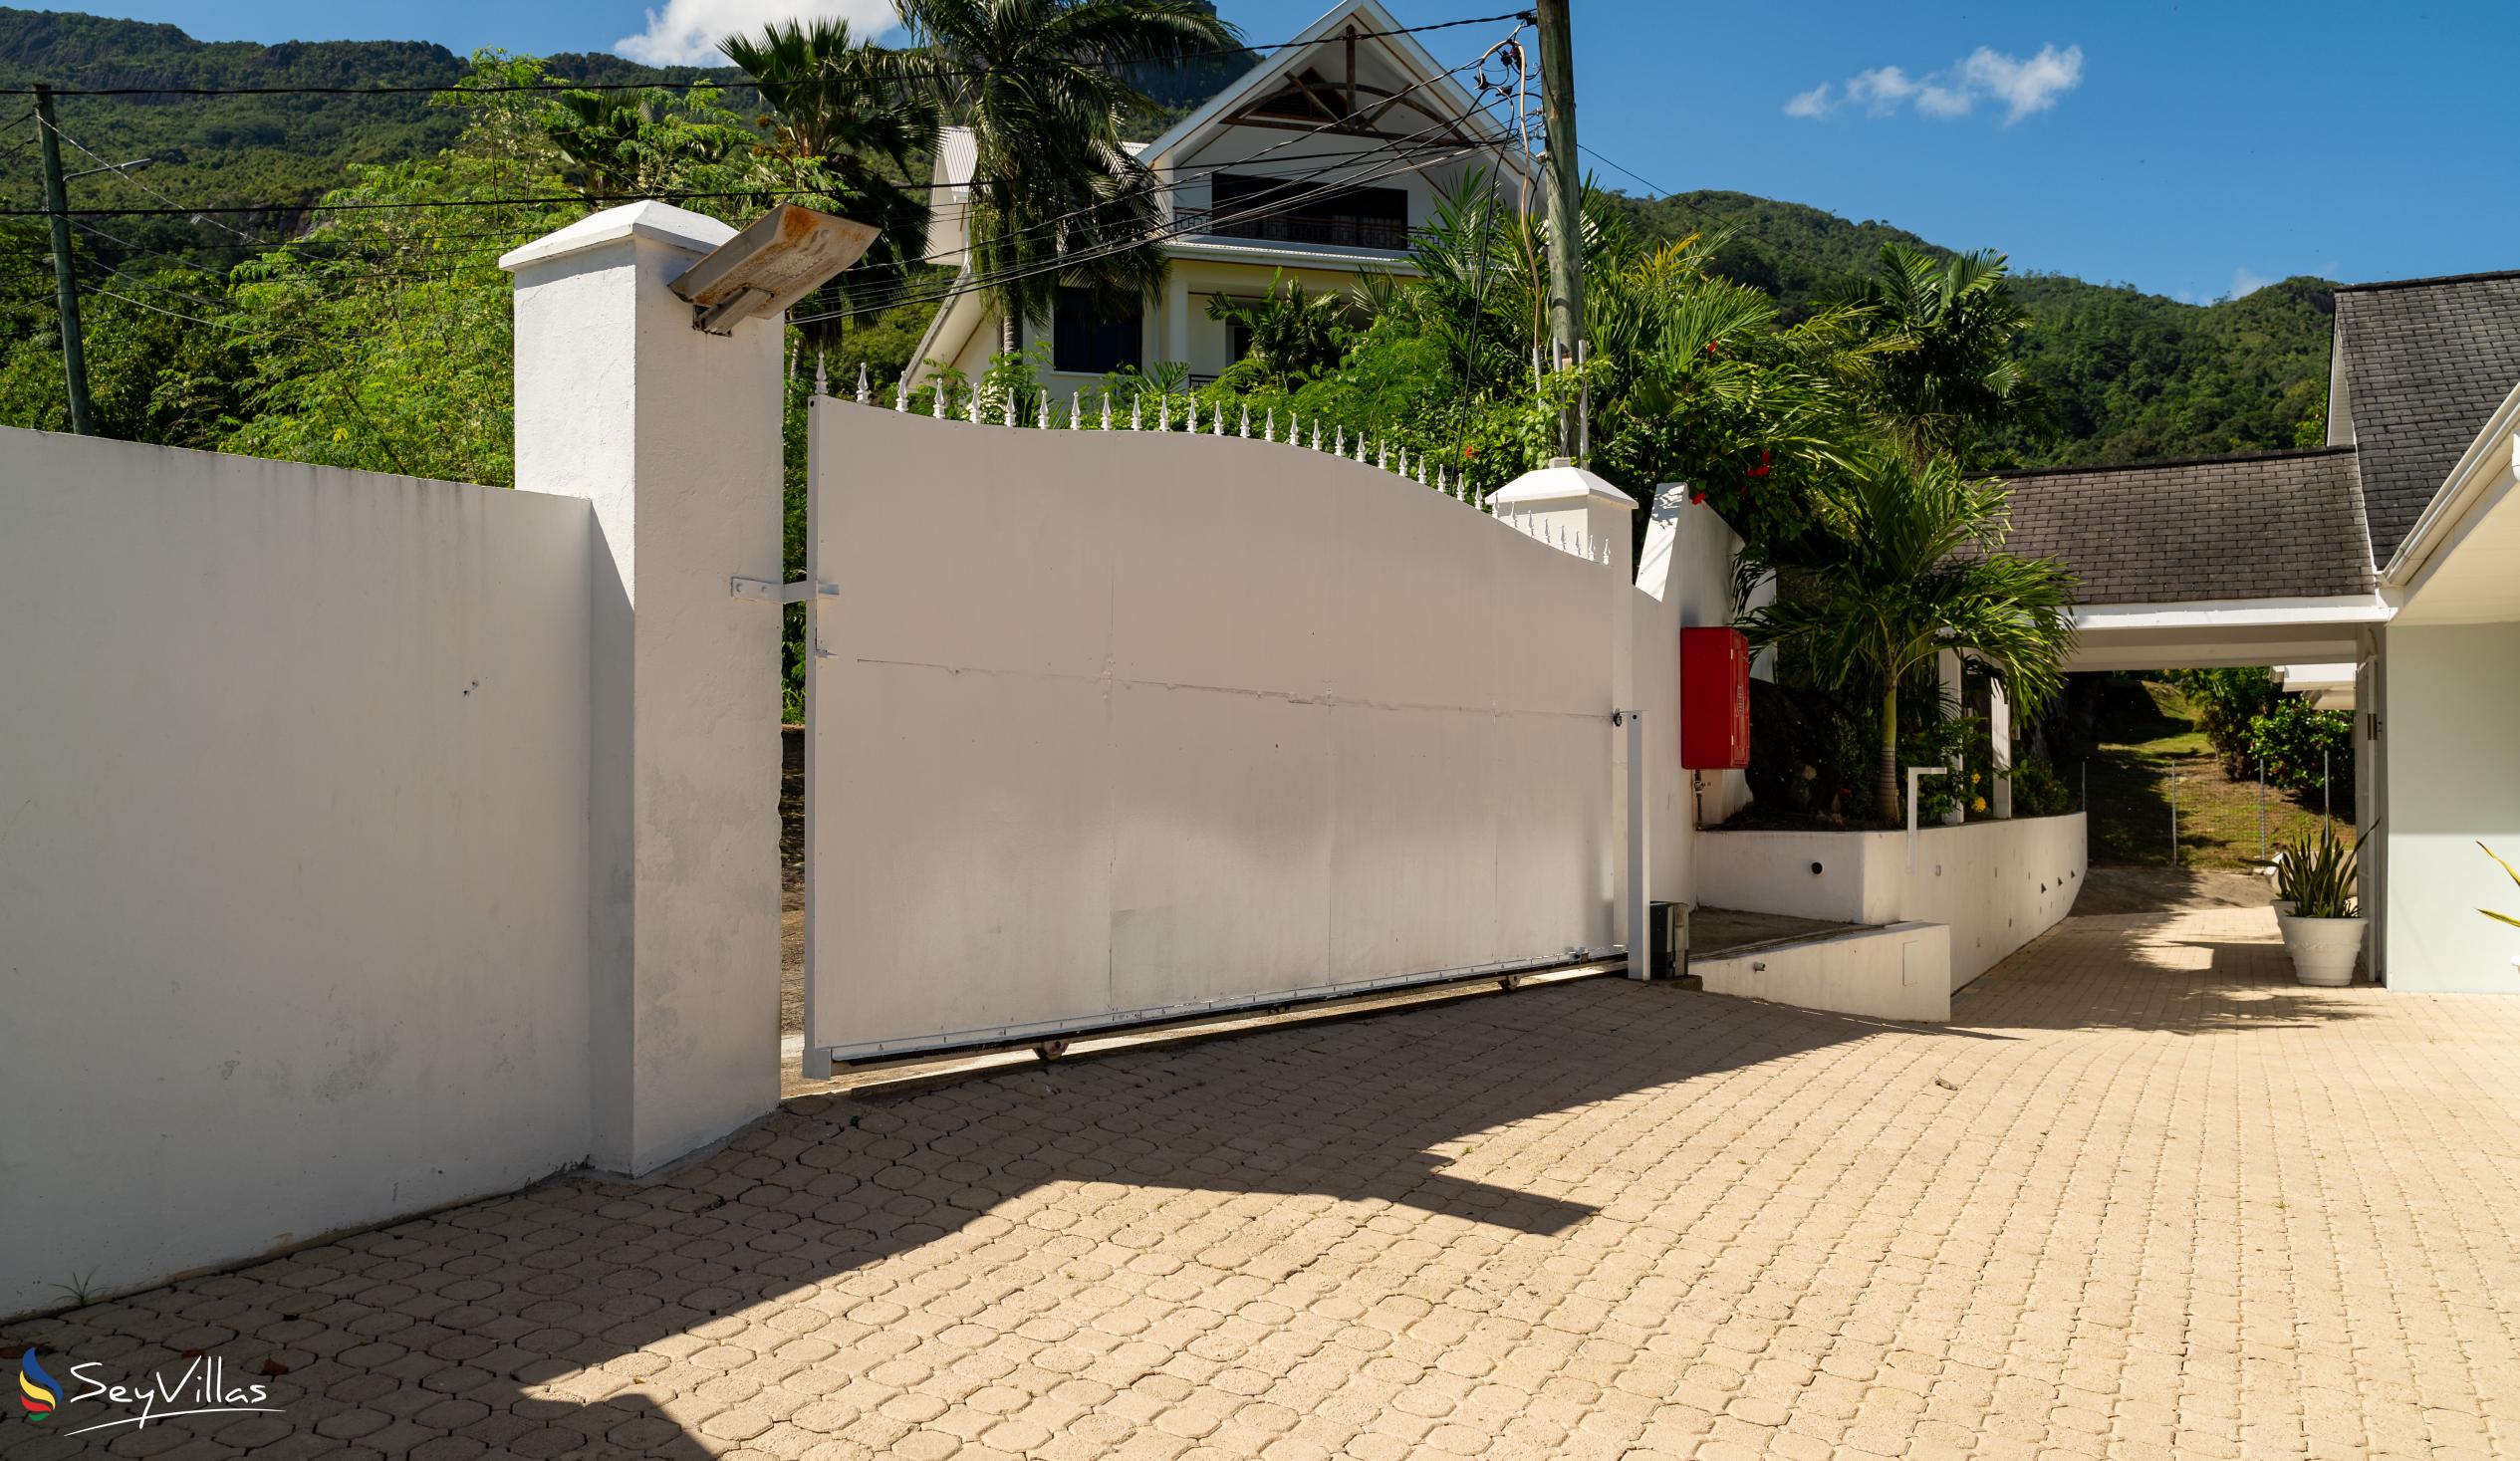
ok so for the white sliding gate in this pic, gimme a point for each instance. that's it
(1112, 726)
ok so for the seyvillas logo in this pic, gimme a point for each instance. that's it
(37, 1391)
(201, 1389)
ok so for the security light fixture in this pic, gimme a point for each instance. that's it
(784, 256)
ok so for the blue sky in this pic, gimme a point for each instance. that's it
(2192, 149)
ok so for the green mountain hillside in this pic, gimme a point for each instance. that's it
(2124, 375)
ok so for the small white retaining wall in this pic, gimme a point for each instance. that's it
(1996, 885)
(1894, 973)
(292, 853)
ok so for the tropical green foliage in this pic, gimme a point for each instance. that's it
(2307, 752)
(1909, 562)
(2315, 873)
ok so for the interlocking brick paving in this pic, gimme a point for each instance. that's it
(2144, 1198)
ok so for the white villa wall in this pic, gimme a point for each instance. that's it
(292, 853)
(1997, 885)
(2452, 697)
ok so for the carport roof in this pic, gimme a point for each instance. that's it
(2422, 364)
(2286, 525)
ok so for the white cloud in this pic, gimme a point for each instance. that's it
(2022, 86)
(1881, 90)
(2246, 281)
(687, 32)
(1814, 102)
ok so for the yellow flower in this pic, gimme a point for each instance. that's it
(1978, 806)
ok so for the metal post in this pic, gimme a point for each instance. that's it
(2262, 849)
(1640, 906)
(1563, 180)
(2174, 816)
(74, 350)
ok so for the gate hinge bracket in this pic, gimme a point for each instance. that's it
(765, 590)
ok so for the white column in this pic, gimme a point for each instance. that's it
(1176, 318)
(1946, 665)
(1999, 730)
(673, 435)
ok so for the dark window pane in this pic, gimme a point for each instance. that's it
(1091, 338)
(1272, 209)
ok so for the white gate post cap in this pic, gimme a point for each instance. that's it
(649, 219)
(1564, 482)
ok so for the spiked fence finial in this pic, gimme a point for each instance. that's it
(820, 389)
(862, 393)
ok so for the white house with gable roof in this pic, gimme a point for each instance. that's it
(1315, 165)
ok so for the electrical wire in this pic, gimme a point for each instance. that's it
(1615, 166)
(119, 170)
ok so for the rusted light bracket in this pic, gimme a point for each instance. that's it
(784, 256)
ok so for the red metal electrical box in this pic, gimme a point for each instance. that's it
(1714, 699)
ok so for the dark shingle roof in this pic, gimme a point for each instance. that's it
(2426, 360)
(2281, 526)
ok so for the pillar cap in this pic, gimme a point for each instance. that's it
(1561, 482)
(649, 219)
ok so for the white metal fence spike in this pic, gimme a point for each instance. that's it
(974, 413)
(1273, 424)
(820, 389)
(1137, 403)
(1246, 421)
(864, 395)
(901, 395)
(1339, 441)
(1076, 411)
(1442, 485)
(1164, 411)
(1194, 415)
(1382, 456)
(1216, 420)
(1316, 433)
(1043, 419)
(1010, 409)
(940, 398)
(1361, 448)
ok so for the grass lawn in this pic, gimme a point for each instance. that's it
(2147, 734)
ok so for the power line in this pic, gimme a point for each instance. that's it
(745, 83)
(1651, 185)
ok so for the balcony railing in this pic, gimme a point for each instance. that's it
(1350, 233)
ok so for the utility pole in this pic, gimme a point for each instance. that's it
(1562, 178)
(74, 353)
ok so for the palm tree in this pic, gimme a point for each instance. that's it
(848, 124)
(1908, 560)
(1947, 376)
(1042, 83)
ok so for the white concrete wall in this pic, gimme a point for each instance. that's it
(1997, 885)
(1123, 723)
(2451, 695)
(292, 853)
(1894, 973)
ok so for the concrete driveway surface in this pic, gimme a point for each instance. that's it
(2143, 1199)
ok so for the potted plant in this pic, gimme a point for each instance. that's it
(2323, 931)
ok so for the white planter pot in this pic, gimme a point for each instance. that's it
(2324, 949)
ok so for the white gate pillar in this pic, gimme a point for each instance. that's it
(1946, 665)
(672, 435)
(1999, 731)
(1574, 510)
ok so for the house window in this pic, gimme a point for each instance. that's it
(1088, 336)
(1270, 209)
